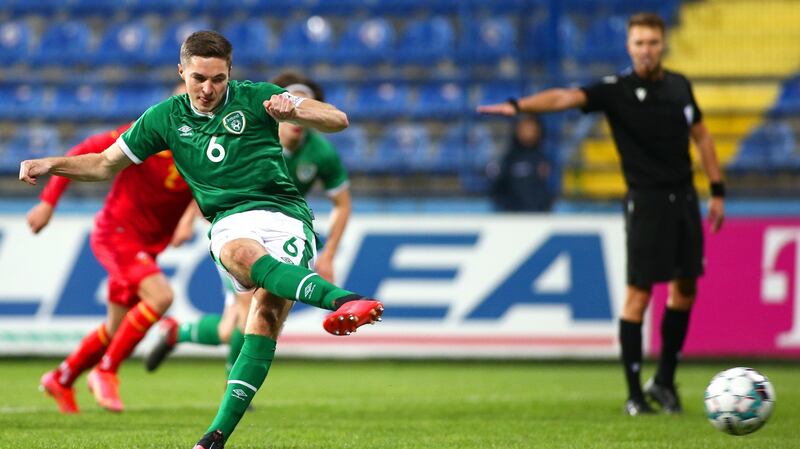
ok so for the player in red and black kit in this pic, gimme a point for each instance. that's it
(136, 224)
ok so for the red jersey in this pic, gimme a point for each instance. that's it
(148, 199)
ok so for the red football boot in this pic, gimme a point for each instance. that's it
(352, 315)
(105, 387)
(64, 396)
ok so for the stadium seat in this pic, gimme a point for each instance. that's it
(440, 101)
(770, 146)
(351, 144)
(16, 40)
(426, 41)
(486, 41)
(64, 43)
(168, 48)
(306, 41)
(27, 143)
(366, 42)
(21, 101)
(78, 103)
(126, 43)
(163, 7)
(467, 146)
(382, 101)
(605, 41)
(339, 96)
(252, 40)
(128, 102)
(498, 92)
(538, 42)
(403, 148)
(789, 100)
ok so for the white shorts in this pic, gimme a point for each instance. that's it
(285, 238)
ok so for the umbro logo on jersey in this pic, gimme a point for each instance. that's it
(641, 93)
(234, 122)
(185, 131)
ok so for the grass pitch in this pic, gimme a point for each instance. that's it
(386, 405)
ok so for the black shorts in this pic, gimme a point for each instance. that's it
(664, 236)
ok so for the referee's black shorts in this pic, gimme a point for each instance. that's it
(664, 236)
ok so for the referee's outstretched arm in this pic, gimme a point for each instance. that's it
(549, 100)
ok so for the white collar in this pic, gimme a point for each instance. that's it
(210, 114)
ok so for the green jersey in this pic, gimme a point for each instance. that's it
(231, 158)
(316, 159)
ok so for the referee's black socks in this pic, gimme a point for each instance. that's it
(674, 326)
(630, 337)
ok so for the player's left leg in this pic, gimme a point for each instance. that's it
(156, 297)
(674, 326)
(264, 323)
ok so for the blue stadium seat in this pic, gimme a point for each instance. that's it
(440, 101)
(381, 101)
(539, 45)
(467, 146)
(498, 92)
(500, 6)
(426, 41)
(78, 103)
(571, 38)
(130, 101)
(163, 7)
(486, 41)
(605, 41)
(366, 42)
(21, 101)
(769, 146)
(789, 100)
(351, 144)
(102, 8)
(339, 95)
(252, 41)
(126, 43)
(64, 43)
(403, 148)
(83, 133)
(27, 143)
(16, 41)
(306, 41)
(168, 48)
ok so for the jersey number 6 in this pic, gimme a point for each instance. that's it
(215, 151)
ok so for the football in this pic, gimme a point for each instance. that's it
(739, 400)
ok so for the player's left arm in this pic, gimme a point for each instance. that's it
(306, 112)
(708, 158)
(340, 214)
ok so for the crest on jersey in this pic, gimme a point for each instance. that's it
(306, 172)
(234, 122)
(641, 93)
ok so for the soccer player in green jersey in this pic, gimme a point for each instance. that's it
(310, 159)
(224, 139)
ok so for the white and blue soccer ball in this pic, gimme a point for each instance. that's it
(739, 400)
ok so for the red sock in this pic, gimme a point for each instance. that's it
(85, 356)
(131, 331)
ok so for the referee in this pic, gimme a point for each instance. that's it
(652, 113)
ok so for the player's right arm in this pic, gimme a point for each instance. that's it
(86, 167)
(550, 100)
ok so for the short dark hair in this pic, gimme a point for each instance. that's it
(647, 19)
(207, 44)
(287, 78)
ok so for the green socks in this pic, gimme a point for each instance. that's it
(247, 375)
(296, 283)
(203, 332)
(234, 348)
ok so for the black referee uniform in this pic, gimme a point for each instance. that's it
(651, 123)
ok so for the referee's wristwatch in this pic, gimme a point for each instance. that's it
(718, 189)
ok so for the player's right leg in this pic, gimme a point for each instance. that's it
(264, 323)
(238, 242)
